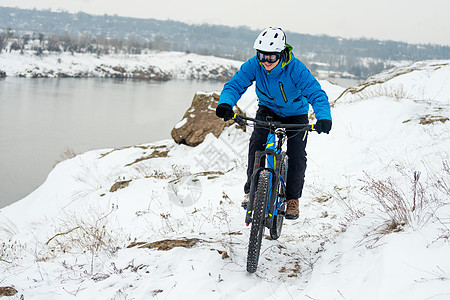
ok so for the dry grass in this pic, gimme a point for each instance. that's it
(10, 251)
(155, 154)
(67, 154)
(410, 199)
(90, 233)
(395, 92)
(168, 244)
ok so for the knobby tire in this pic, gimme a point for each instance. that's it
(275, 230)
(257, 228)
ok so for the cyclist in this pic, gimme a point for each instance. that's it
(284, 87)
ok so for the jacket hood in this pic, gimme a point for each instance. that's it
(287, 60)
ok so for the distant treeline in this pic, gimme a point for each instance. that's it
(81, 32)
(85, 43)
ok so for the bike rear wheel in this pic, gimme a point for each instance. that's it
(257, 229)
(275, 230)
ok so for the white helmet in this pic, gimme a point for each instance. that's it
(270, 39)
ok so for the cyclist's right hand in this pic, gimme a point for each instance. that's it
(224, 111)
(323, 125)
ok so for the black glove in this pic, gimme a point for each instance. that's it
(323, 125)
(224, 111)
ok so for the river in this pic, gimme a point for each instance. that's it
(41, 119)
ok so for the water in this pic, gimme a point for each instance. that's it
(40, 119)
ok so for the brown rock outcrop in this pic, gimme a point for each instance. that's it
(199, 120)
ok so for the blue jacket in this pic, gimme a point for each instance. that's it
(286, 90)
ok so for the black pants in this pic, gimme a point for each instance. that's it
(296, 152)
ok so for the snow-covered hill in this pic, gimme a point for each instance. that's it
(164, 220)
(153, 65)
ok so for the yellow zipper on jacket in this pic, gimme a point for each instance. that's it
(282, 92)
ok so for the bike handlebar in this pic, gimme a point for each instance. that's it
(241, 120)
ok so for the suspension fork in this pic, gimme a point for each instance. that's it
(271, 208)
(271, 162)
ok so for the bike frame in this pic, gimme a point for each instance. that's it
(267, 185)
(274, 156)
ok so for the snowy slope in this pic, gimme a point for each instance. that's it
(74, 237)
(422, 80)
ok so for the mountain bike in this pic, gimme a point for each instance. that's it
(267, 199)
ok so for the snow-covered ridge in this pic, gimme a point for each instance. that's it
(153, 65)
(395, 83)
(76, 238)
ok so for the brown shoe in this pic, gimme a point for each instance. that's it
(292, 209)
(245, 202)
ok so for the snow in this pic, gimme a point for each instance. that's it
(419, 81)
(73, 237)
(176, 64)
(181, 123)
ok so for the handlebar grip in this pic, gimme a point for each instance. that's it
(237, 118)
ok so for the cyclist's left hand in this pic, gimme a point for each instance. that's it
(323, 125)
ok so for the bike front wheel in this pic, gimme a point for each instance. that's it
(257, 229)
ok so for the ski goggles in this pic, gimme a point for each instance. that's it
(270, 57)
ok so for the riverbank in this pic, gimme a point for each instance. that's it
(152, 65)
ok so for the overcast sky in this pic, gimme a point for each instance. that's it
(413, 21)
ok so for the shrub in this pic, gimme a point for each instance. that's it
(410, 200)
(92, 234)
(10, 251)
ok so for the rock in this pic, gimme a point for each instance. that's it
(223, 253)
(119, 185)
(200, 120)
(7, 291)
